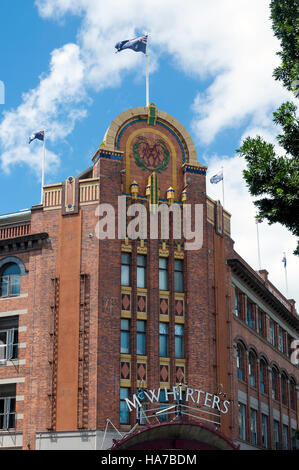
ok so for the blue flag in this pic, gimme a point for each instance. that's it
(216, 178)
(284, 260)
(37, 135)
(137, 44)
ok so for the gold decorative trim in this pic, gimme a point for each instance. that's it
(163, 253)
(141, 250)
(179, 255)
(164, 318)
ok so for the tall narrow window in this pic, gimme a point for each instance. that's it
(253, 427)
(275, 384)
(284, 390)
(163, 328)
(162, 416)
(7, 406)
(179, 341)
(125, 336)
(240, 362)
(163, 273)
(276, 434)
(10, 280)
(292, 394)
(263, 369)
(141, 337)
(272, 332)
(125, 269)
(260, 317)
(178, 275)
(141, 271)
(242, 422)
(285, 436)
(250, 317)
(124, 417)
(237, 302)
(265, 431)
(8, 338)
(280, 339)
(252, 368)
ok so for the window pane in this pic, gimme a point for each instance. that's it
(124, 410)
(141, 338)
(163, 339)
(163, 273)
(125, 269)
(125, 337)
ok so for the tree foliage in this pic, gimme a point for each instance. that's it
(284, 16)
(273, 178)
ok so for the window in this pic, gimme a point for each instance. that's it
(276, 434)
(163, 273)
(124, 417)
(275, 379)
(7, 406)
(8, 338)
(284, 390)
(163, 328)
(237, 302)
(10, 280)
(162, 416)
(242, 422)
(179, 341)
(285, 437)
(125, 269)
(261, 322)
(141, 271)
(125, 336)
(240, 362)
(263, 376)
(294, 440)
(265, 431)
(253, 427)
(272, 332)
(141, 337)
(292, 395)
(280, 339)
(251, 369)
(178, 275)
(250, 316)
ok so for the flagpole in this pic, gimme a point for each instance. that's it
(43, 168)
(147, 73)
(222, 187)
(258, 245)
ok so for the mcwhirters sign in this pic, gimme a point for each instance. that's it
(191, 402)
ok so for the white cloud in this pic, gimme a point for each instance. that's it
(54, 105)
(274, 239)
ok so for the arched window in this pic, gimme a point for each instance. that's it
(284, 390)
(10, 276)
(252, 369)
(275, 384)
(263, 376)
(240, 362)
(293, 394)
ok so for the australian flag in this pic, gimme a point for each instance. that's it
(137, 44)
(40, 135)
(216, 178)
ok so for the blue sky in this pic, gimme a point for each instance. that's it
(211, 68)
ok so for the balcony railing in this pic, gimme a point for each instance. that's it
(15, 230)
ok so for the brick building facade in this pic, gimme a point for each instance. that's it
(86, 322)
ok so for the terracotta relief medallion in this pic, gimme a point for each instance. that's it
(151, 153)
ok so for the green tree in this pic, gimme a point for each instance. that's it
(273, 178)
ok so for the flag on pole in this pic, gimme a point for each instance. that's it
(216, 178)
(137, 44)
(284, 260)
(40, 135)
